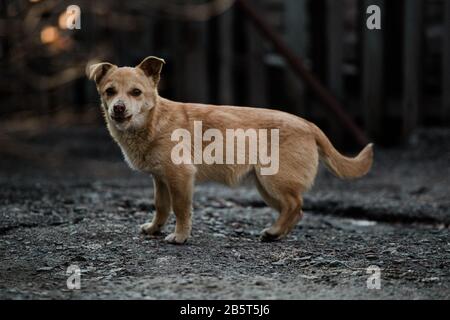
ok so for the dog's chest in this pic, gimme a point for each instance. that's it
(135, 160)
(137, 153)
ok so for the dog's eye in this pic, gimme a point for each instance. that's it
(136, 92)
(110, 92)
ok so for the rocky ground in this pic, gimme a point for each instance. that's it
(66, 198)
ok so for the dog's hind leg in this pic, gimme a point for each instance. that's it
(290, 214)
(286, 200)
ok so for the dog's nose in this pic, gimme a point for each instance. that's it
(119, 107)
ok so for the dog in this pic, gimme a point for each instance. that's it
(142, 123)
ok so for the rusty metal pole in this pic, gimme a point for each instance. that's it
(299, 68)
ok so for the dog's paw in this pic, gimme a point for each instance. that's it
(150, 229)
(176, 238)
(268, 236)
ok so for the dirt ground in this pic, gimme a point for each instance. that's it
(73, 201)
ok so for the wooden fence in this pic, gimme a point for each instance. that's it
(388, 81)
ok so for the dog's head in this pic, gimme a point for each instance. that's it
(127, 94)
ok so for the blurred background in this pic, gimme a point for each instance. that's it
(386, 82)
(67, 197)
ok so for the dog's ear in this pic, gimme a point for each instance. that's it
(97, 71)
(152, 67)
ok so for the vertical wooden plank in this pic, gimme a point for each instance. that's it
(121, 40)
(3, 38)
(194, 79)
(144, 37)
(296, 25)
(240, 47)
(412, 64)
(446, 66)
(373, 72)
(335, 57)
(296, 35)
(226, 63)
(8, 101)
(173, 70)
(256, 68)
(193, 40)
(318, 37)
(189, 64)
(335, 33)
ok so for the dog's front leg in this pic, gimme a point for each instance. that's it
(181, 186)
(162, 206)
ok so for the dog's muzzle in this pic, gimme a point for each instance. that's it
(119, 112)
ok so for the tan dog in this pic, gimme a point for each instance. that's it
(142, 123)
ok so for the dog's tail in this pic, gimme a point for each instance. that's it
(341, 166)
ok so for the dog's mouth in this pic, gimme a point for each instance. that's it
(121, 119)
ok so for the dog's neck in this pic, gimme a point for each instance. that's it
(126, 137)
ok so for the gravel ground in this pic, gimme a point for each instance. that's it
(72, 201)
